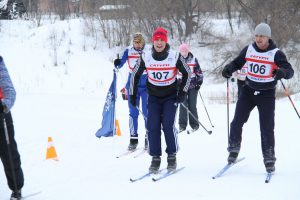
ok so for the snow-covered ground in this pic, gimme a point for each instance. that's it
(66, 102)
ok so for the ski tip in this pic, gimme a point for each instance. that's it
(153, 179)
(131, 180)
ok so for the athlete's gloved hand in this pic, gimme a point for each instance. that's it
(226, 73)
(180, 97)
(133, 100)
(117, 62)
(124, 93)
(1, 107)
(2, 113)
(278, 74)
(197, 87)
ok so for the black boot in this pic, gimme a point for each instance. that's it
(172, 163)
(133, 144)
(16, 195)
(270, 167)
(232, 157)
(155, 164)
(181, 129)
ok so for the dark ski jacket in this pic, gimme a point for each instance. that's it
(161, 91)
(279, 59)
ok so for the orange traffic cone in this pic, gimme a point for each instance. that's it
(51, 153)
(118, 130)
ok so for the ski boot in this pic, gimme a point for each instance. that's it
(232, 157)
(181, 129)
(172, 163)
(16, 195)
(155, 164)
(270, 167)
(133, 144)
(195, 128)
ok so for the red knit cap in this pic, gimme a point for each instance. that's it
(160, 33)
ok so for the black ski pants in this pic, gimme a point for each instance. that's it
(264, 100)
(191, 103)
(15, 154)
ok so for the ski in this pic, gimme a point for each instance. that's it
(28, 195)
(140, 153)
(167, 174)
(140, 177)
(148, 174)
(181, 131)
(222, 171)
(268, 177)
(191, 131)
(127, 152)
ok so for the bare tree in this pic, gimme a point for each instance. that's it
(282, 15)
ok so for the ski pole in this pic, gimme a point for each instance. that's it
(9, 153)
(287, 94)
(205, 109)
(209, 132)
(145, 118)
(227, 101)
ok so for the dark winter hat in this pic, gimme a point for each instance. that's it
(263, 29)
(160, 33)
(138, 37)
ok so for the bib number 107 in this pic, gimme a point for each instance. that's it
(160, 75)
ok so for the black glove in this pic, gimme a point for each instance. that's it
(197, 87)
(117, 62)
(133, 100)
(1, 108)
(278, 74)
(226, 73)
(2, 114)
(180, 97)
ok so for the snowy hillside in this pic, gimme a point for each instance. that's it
(66, 102)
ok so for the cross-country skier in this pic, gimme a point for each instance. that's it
(266, 64)
(131, 54)
(191, 98)
(161, 65)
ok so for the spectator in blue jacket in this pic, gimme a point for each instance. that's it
(9, 153)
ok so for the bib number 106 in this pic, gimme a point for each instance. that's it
(256, 68)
